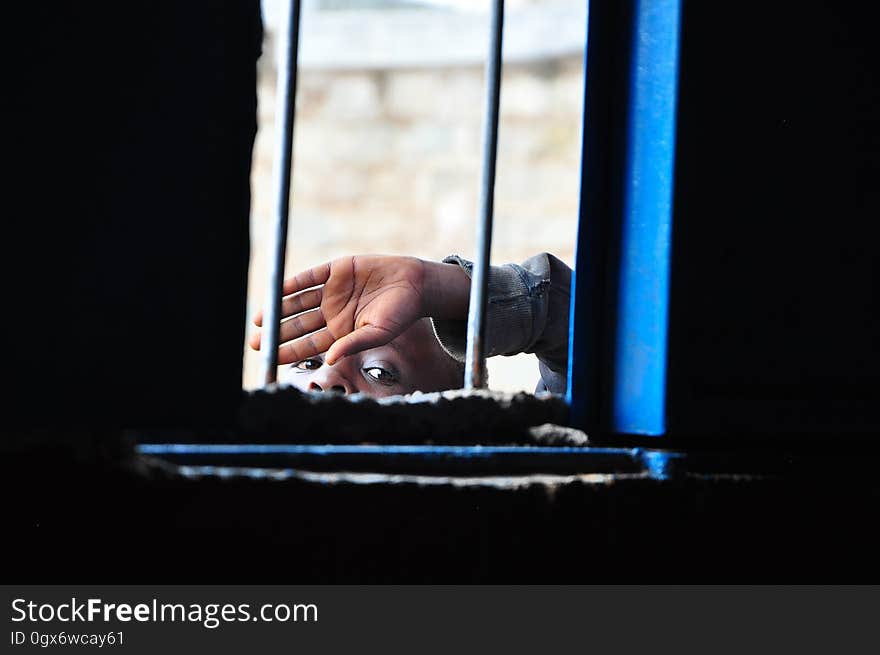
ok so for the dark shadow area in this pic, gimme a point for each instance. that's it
(124, 276)
(775, 315)
(126, 240)
(109, 515)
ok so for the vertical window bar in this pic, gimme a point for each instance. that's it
(585, 319)
(475, 358)
(621, 304)
(638, 398)
(285, 111)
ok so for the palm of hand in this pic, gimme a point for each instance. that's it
(379, 296)
(349, 305)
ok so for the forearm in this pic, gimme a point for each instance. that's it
(527, 312)
(446, 291)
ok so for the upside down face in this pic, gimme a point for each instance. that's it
(413, 361)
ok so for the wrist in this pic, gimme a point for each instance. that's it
(446, 291)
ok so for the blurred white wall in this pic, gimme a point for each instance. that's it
(387, 140)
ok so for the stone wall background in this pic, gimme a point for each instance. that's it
(387, 141)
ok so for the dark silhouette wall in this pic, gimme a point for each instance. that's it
(128, 141)
(126, 213)
(775, 320)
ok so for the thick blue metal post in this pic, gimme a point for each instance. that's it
(620, 299)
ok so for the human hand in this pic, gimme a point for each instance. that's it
(359, 302)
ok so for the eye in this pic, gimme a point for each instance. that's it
(380, 375)
(308, 364)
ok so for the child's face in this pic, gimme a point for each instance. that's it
(413, 361)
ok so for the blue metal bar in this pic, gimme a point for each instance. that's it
(639, 384)
(431, 460)
(285, 112)
(620, 295)
(295, 449)
(407, 459)
(475, 356)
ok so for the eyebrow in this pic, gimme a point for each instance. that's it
(396, 348)
(400, 353)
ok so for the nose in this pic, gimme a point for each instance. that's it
(330, 378)
(336, 388)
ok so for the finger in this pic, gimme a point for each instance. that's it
(308, 346)
(301, 302)
(254, 341)
(312, 277)
(294, 328)
(295, 304)
(361, 339)
(301, 325)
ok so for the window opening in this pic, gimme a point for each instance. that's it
(637, 232)
(387, 130)
(617, 337)
(288, 41)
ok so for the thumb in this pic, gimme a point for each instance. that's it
(364, 338)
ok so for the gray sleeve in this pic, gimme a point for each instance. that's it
(527, 312)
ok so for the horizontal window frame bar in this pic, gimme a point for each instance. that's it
(422, 459)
